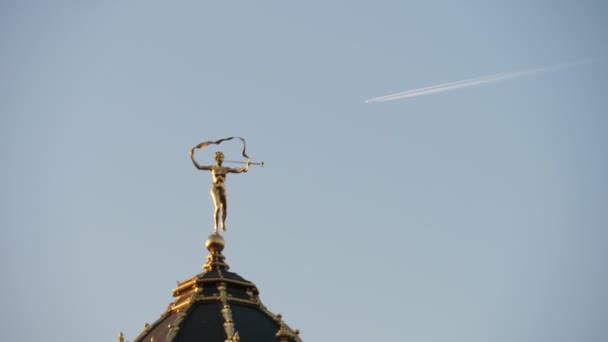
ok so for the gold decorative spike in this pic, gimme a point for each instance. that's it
(219, 173)
(231, 334)
(121, 338)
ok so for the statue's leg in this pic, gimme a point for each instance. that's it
(215, 219)
(224, 204)
(216, 202)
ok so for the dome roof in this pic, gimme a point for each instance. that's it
(217, 306)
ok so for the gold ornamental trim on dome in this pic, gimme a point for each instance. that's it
(285, 334)
(232, 335)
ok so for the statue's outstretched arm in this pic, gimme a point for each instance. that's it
(241, 169)
(200, 167)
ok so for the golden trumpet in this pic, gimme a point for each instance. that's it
(242, 162)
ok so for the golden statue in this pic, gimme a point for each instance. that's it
(219, 173)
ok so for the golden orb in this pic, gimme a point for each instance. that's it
(215, 243)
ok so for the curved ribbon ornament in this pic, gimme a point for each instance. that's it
(217, 142)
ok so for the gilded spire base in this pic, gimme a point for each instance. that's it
(215, 260)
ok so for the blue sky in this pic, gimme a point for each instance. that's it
(473, 215)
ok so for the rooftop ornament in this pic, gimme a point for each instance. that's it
(217, 305)
(219, 173)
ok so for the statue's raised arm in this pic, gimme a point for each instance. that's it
(200, 167)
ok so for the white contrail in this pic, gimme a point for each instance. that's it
(474, 82)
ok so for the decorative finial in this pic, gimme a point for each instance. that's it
(121, 338)
(219, 173)
(215, 245)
